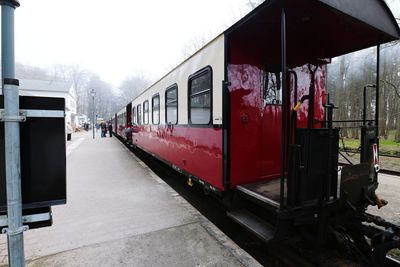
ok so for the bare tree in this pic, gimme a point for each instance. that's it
(79, 78)
(193, 45)
(31, 72)
(131, 87)
(83, 82)
(254, 3)
(338, 87)
(349, 79)
(390, 91)
(104, 99)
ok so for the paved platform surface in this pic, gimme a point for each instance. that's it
(389, 189)
(119, 213)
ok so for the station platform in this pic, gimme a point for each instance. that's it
(119, 213)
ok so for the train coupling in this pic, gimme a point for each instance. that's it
(380, 202)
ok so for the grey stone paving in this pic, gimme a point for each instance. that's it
(186, 245)
(119, 213)
(389, 189)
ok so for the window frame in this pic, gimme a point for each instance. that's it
(265, 103)
(189, 95)
(144, 112)
(170, 88)
(139, 114)
(133, 114)
(152, 108)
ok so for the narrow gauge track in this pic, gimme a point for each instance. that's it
(277, 255)
(385, 171)
(386, 167)
(394, 173)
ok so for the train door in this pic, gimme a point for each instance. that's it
(115, 123)
(255, 124)
(299, 83)
(129, 115)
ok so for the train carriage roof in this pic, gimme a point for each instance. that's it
(317, 28)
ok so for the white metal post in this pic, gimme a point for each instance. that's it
(93, 93)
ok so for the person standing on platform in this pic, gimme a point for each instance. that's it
(110, 128)
(103, 129)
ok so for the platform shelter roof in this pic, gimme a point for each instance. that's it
(317, 29)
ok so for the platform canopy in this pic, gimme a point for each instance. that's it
(317, 28)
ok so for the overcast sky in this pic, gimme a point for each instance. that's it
(116, 39)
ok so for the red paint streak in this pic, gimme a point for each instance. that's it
(197, 151)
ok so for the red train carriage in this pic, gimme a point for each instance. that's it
(179, 118)
(247, 116)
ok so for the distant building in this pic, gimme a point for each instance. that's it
(81, 119)
(43, 88)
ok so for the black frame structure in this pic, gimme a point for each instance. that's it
(43, 155)
(373, 24)
(349, 8)
(312, 32)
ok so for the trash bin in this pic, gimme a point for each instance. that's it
(69, 132)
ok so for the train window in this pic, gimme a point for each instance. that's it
(272, 88)
(171, 104)
(155, 109)
(200, 97)
(139, 114)
(120, 121)
(146, 112)
(134, 115)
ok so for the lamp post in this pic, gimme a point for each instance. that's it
(93, 93)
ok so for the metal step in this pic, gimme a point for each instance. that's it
(254, 224)
(258, 196)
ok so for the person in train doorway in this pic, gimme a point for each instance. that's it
(128, 133)
(110, 128)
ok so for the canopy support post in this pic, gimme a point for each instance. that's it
(284, 104)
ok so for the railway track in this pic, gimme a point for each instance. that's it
(389, 164)
(385, 171)
(395, 173)
(277, 255)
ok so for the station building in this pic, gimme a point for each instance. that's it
(59, 89)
